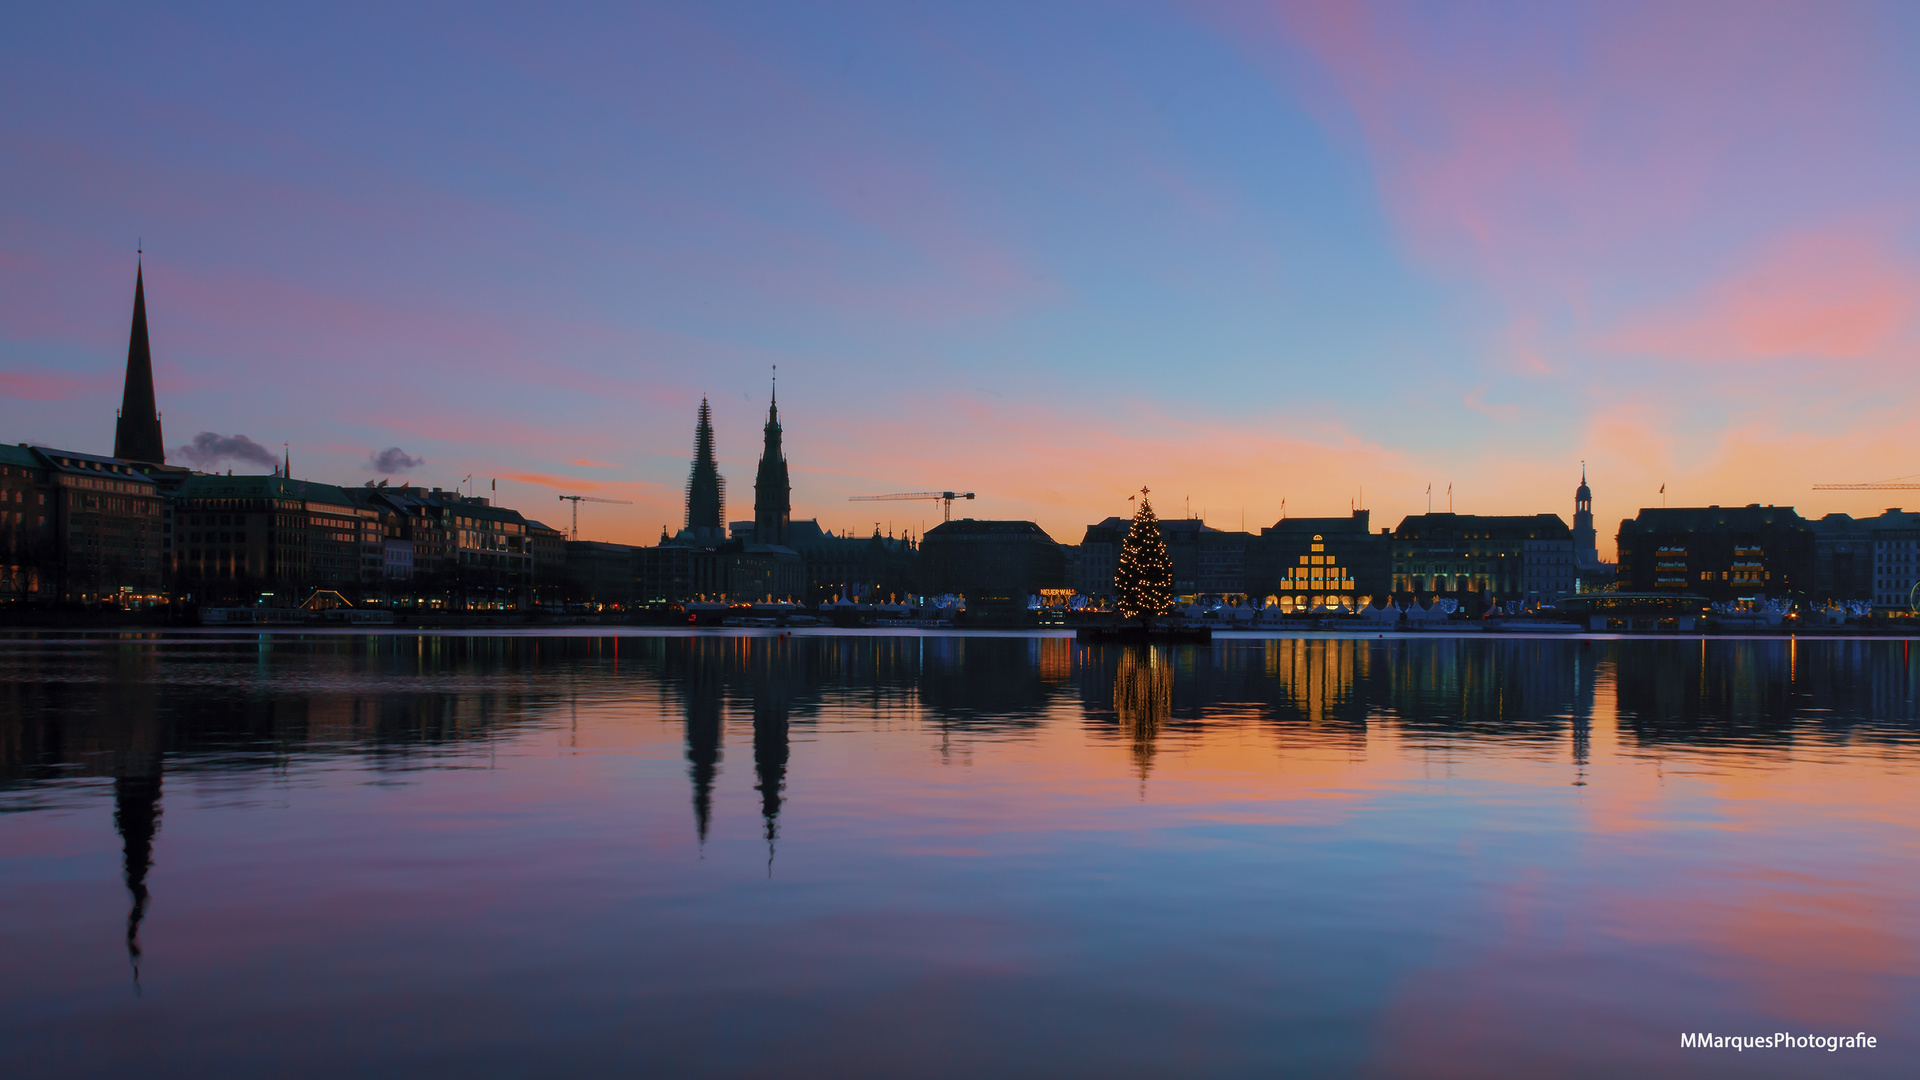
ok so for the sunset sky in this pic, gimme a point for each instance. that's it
(1049, 253)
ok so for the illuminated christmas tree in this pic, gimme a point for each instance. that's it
(1143, 582)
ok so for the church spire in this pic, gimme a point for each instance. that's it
(772, 493)
(136, 436)
(706, 491)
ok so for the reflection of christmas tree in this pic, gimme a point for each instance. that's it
(1143, 700)
(1143, 582)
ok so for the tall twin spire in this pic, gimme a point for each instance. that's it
(772, 493)
(136, 436)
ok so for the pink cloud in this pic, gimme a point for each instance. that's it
(1830, 295)
(53, 385)
(1531, 145)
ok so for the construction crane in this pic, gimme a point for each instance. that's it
(1890, 486)
(946, 499)
(576, 500)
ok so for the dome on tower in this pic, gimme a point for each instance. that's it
(1583, 493)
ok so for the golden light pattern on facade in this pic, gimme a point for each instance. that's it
(1317, 581)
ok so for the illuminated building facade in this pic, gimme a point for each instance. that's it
(1301, 564)
(1721, 553)
(107, 518)
(1482, 560)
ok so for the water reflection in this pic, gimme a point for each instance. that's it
(1143, 699)
(123, 709)
(136, 815)
(1387, 822)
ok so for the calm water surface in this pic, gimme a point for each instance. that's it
(834, 855)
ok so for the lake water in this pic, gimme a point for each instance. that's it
(954, 856)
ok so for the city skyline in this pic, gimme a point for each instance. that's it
(1240, 258)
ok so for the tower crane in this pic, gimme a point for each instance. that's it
(576, 500)
(946, 499)
(1889, 486)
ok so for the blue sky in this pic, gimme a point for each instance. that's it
(1049, 253)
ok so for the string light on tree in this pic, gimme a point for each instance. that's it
(1143, 582)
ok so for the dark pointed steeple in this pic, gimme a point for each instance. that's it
(706, 491)
(772, 494)
(137, 435)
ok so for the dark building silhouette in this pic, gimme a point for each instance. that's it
(703, 562)
(1843, 557)
(850, 567)
(29, 552)
(1721, 553)
(706, 490)
(993, 563)
(137, 435)
(772, 494)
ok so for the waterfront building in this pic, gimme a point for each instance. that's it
(603, 572)
(1895, 536)
(677, 570)
(852, 569)
(1220, 559)
(467, 552)
(397, 559)
(1099, 558)
(270, 540)
(1551, 568)
(1182, 537)
(1298, 564)
(1843, 563)
(107, 517)
(1721, 553)
(547, 551)
(1482, 560)
(994, 564)
(27, 538)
